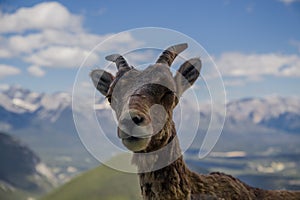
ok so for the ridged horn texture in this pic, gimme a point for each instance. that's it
(120, 61)
(169, 55)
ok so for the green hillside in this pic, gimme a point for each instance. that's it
(7, 193)
(101, 183)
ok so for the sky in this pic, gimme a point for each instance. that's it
(254, 44)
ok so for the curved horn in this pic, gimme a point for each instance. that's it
(119, 60)
(170, 53)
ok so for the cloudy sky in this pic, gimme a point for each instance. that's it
(255, 44)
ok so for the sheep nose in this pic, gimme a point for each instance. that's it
(138, 119)
(133, 118)
(134, 123)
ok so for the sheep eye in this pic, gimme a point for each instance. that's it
(108, 98)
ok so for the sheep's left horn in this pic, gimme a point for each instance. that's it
(169, 55)
(119, 60)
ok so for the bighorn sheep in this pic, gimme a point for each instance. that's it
(143, 102)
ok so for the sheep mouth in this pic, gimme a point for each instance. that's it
(135, 136)
(132, 139)
(135, 144)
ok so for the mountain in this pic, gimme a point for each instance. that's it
(45, 123)
(21, 108)
(22, 174)
(273, 112)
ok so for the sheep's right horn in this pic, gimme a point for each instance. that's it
(119, 60)
(169, 55)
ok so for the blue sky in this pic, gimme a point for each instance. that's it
(255, 44)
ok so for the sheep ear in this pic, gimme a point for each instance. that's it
(101, 80)
(187, 74)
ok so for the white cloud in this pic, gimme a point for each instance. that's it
(4, 87)
(17, 45)
(60, 56)
(36, 71)
(24, 44)
(288, 2)
(144, 57)
(20, 44)
(241, 81)
(122, 42)
(47, 15)
(234, 64)
(235, 83)
(4, 51)
(48, 35)
(7, 70)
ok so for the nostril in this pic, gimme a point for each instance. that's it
(138, 120)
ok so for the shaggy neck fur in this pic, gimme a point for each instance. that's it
(176, 181)
(170, 182)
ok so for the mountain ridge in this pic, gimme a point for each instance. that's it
(50, 131)
(18, 100)
(22, 171)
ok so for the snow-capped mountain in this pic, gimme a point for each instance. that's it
(259, 110)
(273, 112)
(21, 108)
(47, 106)
(17, 105)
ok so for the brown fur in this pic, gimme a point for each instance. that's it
(174, 181)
